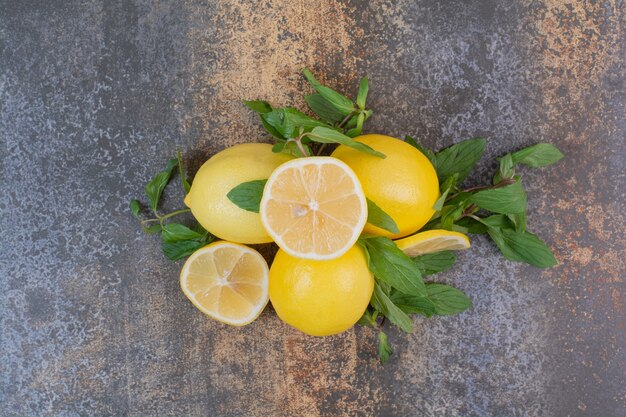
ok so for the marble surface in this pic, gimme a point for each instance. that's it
(95, 96)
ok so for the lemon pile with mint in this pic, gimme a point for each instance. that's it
(357, 231)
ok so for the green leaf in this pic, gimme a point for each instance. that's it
(362, 95)
(522, 247)
(506, 170)
(427, 152)
(450, 214)
(289, 121)
(323, 108)
(390, 265)
(368, 318)
(384, 350)
(382, 303)
(258, 106)
(498, 221)
(181, 249)
(519, 220)
(186, 185)
(411, 304)
(175, 232)
(155, 228)
(459, 159)
(433, 263)
(155, 188)
(448, 184)
(377, 217)
(247, 195)
(539, 155)
(509, 199)
(342, 103)
(327, 135)
(447, 300)
(354, 132)
(471, 226)
(135, 207)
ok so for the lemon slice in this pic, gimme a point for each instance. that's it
(433, 241)
(314, 208)
(227, 281)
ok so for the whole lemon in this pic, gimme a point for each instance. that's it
(404, 184)
(221, 173)
(321, 298)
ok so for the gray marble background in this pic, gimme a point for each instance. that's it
(95, 96)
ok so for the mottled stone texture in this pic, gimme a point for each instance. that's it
(96, 95)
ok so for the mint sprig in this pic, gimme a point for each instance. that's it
(337, 119)
(498, 210)
(177, 240)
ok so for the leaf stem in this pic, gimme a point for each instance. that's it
(345, 120)
(166, 216)
(501, 184)
(298, 142)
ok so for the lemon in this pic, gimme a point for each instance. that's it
(314, 207)
(221, 173)
(321, 298)
(432, 241)
(226, 281)
(404, 184)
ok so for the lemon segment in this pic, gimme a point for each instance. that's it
(433, 241)
(227, 281)
(314, 208)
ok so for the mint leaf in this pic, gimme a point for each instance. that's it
(155, 188)
(368, 318)
(448, 184)
(412, 304)
(362, 95)
(359, 126)
(471, 226)
(506, 170)
(390, 265)
(323, 108)
(522, 247)
(433, 263)
(247, 195)
(342, 103)
(509, 199)
(459, 159)
(155, 228)
(377, 217)
(427, 152)
(450, 214)
(181, 249)
(135, 207)
(328, 135)
(186, 185)
(447, 300)
(384, 350)
(288, 122)
(498, 221)
(258, 106)
(539, 155)
(518, 220)
(381, 302)
(175, 232)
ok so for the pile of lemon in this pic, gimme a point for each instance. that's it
(314, 209)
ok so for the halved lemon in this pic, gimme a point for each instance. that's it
(433, 241)
(227, 281)
(314, 208)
